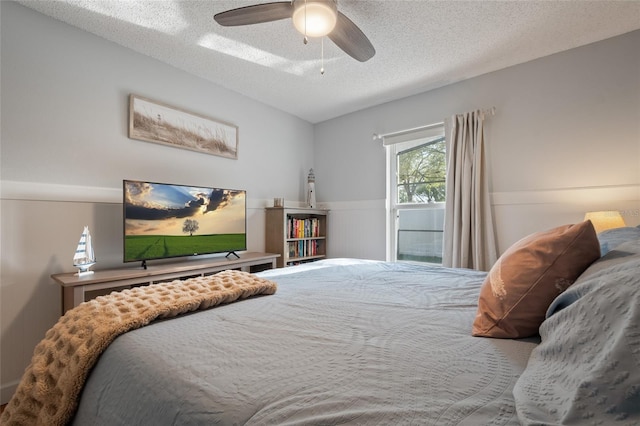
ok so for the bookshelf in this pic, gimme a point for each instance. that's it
(298, 234)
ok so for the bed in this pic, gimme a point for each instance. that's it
(347, 341)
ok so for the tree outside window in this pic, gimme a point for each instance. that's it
(421, 173)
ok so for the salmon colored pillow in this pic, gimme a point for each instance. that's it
(527, 277)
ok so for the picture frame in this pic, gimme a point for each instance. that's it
(153, 121)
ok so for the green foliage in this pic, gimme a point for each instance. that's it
(421, 173)
(138, 247)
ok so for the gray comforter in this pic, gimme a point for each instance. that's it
(358, 342)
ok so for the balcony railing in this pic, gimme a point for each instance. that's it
(420, 235)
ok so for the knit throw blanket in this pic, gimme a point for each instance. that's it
(51, 385)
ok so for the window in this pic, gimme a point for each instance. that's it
(416, 194)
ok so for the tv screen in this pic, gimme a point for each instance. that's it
(167, 220)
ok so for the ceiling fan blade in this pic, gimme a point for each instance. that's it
(348, 37)
(255, 14)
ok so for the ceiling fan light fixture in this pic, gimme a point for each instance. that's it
(315, 18)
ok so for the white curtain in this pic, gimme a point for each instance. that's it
(469, 239)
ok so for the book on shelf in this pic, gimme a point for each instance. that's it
(303, 228)
(303, 248)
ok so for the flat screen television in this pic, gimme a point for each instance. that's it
(164, 220)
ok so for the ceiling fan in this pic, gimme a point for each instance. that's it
(312, 18)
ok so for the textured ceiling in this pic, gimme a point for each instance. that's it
(420, 45)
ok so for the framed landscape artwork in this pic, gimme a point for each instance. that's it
(153, 121)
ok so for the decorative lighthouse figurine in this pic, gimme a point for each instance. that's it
(311, 190)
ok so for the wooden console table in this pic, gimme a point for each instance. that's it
(75, 287)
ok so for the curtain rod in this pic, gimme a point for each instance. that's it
(377, 136)
(402, 132)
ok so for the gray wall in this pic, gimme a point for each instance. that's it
(565, 140)
(65, 152)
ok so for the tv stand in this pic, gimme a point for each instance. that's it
(74, 288)
(232, 253)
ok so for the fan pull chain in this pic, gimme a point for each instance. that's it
(306, 40)
(322, 56)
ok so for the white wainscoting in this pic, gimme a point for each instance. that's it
(520, 213)
(37, 191)
(357, 228)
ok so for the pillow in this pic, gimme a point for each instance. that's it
(611, 238)
(524, 281)
(596, 334)
(614, 261)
